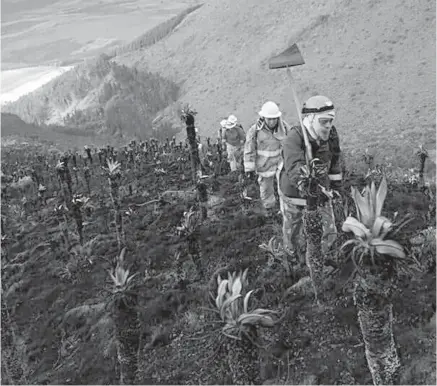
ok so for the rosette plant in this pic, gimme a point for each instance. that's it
(241, 325)
(123, 302)
(277, 252)
(370, 228)
(189, 228)
(377, 257)
(113, 173)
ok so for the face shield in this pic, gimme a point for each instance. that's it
(322, 123)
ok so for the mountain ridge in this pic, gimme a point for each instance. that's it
(56, 102)
(370, 58)
(99, 95)
(374, 59)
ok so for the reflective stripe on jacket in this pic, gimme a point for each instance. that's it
(293, 146)
(262, 150)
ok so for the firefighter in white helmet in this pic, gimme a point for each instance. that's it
(262, 151)
(318, 116)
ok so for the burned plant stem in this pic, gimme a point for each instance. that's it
(314, 257)
(202, 192)
(194, 152)
(113, 185)
(194, 251)
(77, 215)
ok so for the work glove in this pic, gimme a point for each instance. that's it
(321, 171)
(319, 167)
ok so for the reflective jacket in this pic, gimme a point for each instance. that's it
(328, 152)
(262, 150)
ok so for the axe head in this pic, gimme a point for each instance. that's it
(289, 58)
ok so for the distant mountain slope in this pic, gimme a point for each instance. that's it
(13, 125)
(14, 129)
(155, 34)
(64, 32)
(100, 96)
(375, 59)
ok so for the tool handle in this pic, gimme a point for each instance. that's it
(309, 152)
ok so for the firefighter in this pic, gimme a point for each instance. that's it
(233, 136)
(318, 116)
(262, 152)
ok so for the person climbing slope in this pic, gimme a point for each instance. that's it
(262, 152)
(318, 116)
(233, 136)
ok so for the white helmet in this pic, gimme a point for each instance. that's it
(231, 122)
(232, 119)
(318, 104)
(270, 110)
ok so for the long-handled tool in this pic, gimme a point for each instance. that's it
(292, 57)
